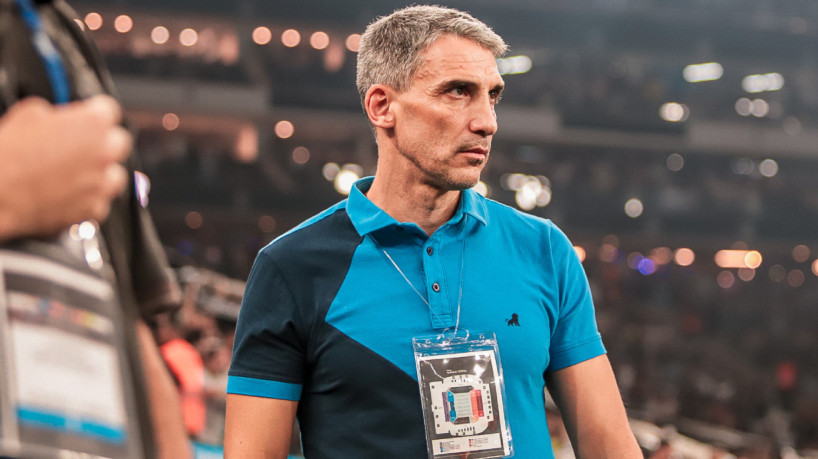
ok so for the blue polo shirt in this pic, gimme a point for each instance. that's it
(328, 320)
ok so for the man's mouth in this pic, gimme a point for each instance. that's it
(475, 151)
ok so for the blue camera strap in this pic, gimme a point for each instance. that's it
(45, 47)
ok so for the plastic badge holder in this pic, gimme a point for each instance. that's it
(463, 395)
(65, 385)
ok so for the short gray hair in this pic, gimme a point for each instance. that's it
(392, 46)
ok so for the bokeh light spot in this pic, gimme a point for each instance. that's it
(284, 129)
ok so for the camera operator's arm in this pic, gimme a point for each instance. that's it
(59, 165)
(168, 426)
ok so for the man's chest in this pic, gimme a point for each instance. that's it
(383, 314)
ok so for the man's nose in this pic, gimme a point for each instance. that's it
(484, 119)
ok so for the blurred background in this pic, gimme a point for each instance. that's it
(675, 142)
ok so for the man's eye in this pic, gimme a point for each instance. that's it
(458, 91)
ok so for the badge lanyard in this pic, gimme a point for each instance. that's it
(88, 231)
(52, 62)
(462, 390)
(420, 295)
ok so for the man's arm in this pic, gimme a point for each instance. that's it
(258, 427)
(592, 409)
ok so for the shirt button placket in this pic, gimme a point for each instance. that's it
(438, 302)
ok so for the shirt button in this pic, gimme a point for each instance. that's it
(430, 250)
(436, 287)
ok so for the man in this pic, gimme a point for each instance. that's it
(330, 310)
(62, 165)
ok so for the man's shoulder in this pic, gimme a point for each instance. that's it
(505, 215)
(523, 228)
(314, 255)
(327, 229)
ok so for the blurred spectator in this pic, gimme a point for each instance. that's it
(664, 451)
(186, 366)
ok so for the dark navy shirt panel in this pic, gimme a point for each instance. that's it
(358, 404)
(273, 342)
(290, 287)
(345, 390)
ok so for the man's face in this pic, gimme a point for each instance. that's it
(445, 120)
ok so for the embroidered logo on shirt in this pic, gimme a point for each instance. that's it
(515, 320)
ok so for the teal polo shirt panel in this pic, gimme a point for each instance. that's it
(507, 263)
(429, 263)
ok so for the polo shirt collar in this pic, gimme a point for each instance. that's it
(368, 218)
(471, 203)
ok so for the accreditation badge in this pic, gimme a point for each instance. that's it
(65, 390)
(463, 395)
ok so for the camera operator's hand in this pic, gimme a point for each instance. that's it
(59, 165)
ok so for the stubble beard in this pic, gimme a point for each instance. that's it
(449, 178)
(441, 173)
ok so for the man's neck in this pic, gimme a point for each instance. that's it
(409, 201)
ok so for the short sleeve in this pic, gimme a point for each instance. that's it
(575, 337)
(268, 351)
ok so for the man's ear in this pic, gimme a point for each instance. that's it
(378, 106)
